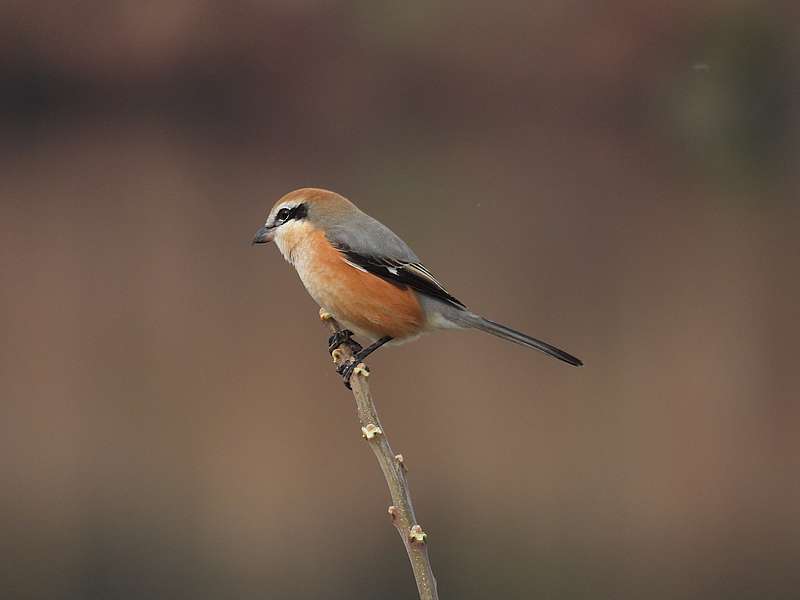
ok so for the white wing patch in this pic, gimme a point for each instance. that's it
(423, 273)
(355, 266)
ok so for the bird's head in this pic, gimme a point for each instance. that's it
(300, 213)
(299, 209)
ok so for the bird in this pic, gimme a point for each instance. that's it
(364, 275)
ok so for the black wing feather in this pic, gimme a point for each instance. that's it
(413, 275)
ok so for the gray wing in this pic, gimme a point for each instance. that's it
(372, 247)
(370, 237)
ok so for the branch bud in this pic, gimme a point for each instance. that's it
(402, 462)
(371, 431)
(417, 535)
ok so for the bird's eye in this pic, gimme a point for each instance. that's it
(282, 215)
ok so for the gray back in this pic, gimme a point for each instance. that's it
(370, 237)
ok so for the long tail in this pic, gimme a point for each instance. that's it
(477, 322)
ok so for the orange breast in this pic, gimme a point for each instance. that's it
(361, 300)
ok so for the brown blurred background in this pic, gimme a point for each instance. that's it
(620, 179)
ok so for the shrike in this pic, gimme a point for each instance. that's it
(364, 275)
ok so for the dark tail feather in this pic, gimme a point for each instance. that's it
(511, 335)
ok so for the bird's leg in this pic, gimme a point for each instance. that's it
(345, 336)
(346, 370)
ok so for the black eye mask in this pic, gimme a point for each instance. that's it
(287, 214)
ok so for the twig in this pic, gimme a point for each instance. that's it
(394, 470)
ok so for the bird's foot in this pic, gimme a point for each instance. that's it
(350, 368)
(345, 336)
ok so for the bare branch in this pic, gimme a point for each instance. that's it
(394, 470)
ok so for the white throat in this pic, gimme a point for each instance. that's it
(291, 240)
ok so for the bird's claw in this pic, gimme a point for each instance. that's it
(345, 336)
(351, 367)
(346, 371)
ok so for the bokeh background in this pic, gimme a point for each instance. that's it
(618, 178)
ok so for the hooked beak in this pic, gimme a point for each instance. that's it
(264, 235)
